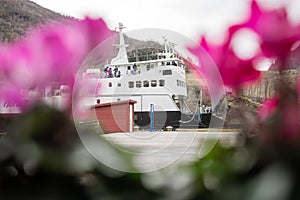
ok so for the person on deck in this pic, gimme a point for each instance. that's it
(116, 71)
(109, 73)
(106, 71)
(139, 68)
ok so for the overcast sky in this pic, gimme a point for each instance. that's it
(188, 17)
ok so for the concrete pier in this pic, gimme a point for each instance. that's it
(156, 150)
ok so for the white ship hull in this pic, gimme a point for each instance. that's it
(160, 82)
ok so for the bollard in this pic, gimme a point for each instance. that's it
(169, 128)
(136, 128)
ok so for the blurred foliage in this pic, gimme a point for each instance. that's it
(37, 162)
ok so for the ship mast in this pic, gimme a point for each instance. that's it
(122, 54)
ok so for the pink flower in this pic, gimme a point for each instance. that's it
(207, 70)
(57, 51)
(268, 108)
(298, 87)
(52, 53)
(286, 124)
(276, 32)
(234, 72)
(19, 69)
(11, 94)
(290, 117)
(94, 30)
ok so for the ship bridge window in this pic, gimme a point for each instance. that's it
(153, 83)
(110, 84)
(119, 84)
(146, 83)
(131, 84)
(167, 72)
(161, 83)
(138, 84)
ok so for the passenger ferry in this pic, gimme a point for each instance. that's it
(160, 82)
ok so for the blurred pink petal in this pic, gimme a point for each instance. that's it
(57, 51)
(235, 72)
(94, 30)
(290, 117)
(298, 87)
(207, 69)
(268, 108)
(84, 95)
(276, 31)
(11, 94)
(19, 69)
(52, 54)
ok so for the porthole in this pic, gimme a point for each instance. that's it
(161, 83)
(138, 84)
(131, 84)
(153, 83)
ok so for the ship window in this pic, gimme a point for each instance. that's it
(181, 83)
(153, 83)
(167, 72)
(130, 84)
(161, 83)
(138, 84)
(110, 84)
(146, 83)
(119, 84)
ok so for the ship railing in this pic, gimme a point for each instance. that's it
(138, 68)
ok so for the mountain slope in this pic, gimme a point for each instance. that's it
(18, 16)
